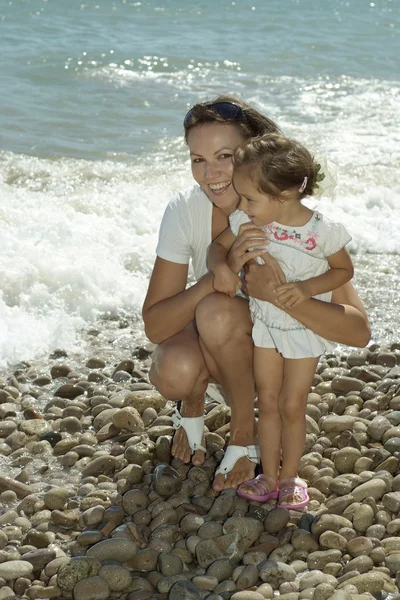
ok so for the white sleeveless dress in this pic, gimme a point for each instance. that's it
(302, 253)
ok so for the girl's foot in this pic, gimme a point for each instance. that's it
(293, 493)
(260, 489)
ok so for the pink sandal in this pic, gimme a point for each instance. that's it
(261, 483)
(293, 493)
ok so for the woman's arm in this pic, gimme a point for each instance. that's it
(169, 306)
(344, 320)
(341, 271)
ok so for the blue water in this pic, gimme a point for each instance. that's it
(88, 78)
(92, 100)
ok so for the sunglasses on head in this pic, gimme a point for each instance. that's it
(227, 110)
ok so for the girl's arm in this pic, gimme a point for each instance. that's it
(341, 271)
(169, 306)
(225, 280)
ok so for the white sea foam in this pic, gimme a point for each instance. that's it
(78, 239)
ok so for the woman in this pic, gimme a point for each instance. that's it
(204, 336)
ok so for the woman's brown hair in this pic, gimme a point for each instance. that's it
(252, 123)
(278, 163)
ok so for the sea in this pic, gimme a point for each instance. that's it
(93, 94)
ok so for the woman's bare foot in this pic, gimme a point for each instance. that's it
(180, 445)
(242, 471)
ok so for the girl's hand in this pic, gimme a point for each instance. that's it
(226, 282)
(290, 295)
(243, 248)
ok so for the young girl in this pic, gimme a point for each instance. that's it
(272, 175)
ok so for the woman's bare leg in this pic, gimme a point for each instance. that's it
(224, 327)
(297, 379)
(179, 372)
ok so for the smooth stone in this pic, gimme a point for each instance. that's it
(92, 588)
(139, 453)
(374, 488)
(205, 582)
(377, 427)
(166, 480)
(391, 501)
(372, 583)
(319, 559)
(337, 423)
(39, 558)
(184, 590)
(56, 498)
(304, 540)
(36, 538)
(229, 546)
(276, 573)
(78, 568)
(169, 564)
(362, 564)
(6, 593)
(345, 384)
(165, 583)
(222, 569)
(101, 465)
(248, 577)
(363, 518)
(145, 560)
(113, 549)
(248, 529)
(145, 399)
(128, 418)
(359, 546)
(276, 520)
(345, 459)
(15, 568)
(248, 595)
(117, 577)
(69, 391)
(134, 501)
(333, 541)
(35, 427)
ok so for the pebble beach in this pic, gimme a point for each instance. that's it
(93, 507)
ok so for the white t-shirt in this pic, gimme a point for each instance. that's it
(185, 231)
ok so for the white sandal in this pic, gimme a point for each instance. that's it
(233, 454)
(194, 429)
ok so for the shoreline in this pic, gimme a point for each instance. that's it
(91, 499)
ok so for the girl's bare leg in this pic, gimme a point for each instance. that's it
(268, 373)
(179, 372)
(297, 379)
(224, 327)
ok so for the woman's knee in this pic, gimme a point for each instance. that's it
(178, 371)
(219, 316)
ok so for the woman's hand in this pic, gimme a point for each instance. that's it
(261, 281)
(250, 243)
(225, 281)
(290, 295)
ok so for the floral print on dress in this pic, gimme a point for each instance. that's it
(306, 241)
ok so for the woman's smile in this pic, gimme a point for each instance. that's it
(211, 152)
